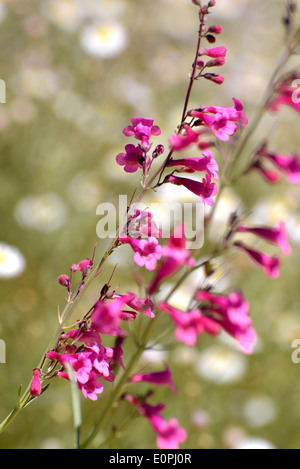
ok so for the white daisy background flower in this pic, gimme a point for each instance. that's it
(12, 261)
(104, 40)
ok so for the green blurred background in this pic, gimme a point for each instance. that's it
(76, 72)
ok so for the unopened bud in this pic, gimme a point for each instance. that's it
(215, 29)
(64, 280)
(211, 3)
(158, 151)
(218, 79)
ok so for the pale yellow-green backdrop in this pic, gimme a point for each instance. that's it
(60, 130)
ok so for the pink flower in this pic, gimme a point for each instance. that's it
(80, 362)
(175, 255)
(141, 225)
(83, 266)
(159, 378)
(224, 120)
(289, 165)
(277, 235)
(142, 129)
(169, 434)
(146, 251)
(271, 177)
(132, 159)
(106, 315)
(284, 97)
(191, 324)
(206, 189)
(207, 164)
(182, 141)
(36, 386)
(269, 264)
(92, 387)
(231, 312)
(215, 52)
(142, 305)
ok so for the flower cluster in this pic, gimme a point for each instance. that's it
(201, 129)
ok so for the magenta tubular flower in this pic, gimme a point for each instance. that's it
(206, 164)
(106, 315)
(36, 386)
(271, 177)
(175, 255)
(182, 141)
(215, 52)
(220, 125)
(169, 434)
(146, 251)
(82, 266)
(142, 129)
(80, 362)
(277, 235)
(284, 97)
(92, 387)
(206, 189)
(289, 165)
(269, 264)
(131, 159)
(231, 312)
(191, 324)
(141, 225)
(159, 378)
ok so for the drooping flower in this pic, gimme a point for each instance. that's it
(106, 315)
(223, 121)
(289, 165)
(231, 312)
(132, 159)
(277, 235)
(169, 434)
(181, 141)
(159, 378)
(142, 225)
(269, 264)
(191, 324)
(175, 255)
(190, 165)
(146, 251)
(36, 386)
(285, 96)
(80, 363)
(141, 305)
(206, 189)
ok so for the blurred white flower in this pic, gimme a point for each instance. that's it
(104, 40)
(293, 228)
(67, 14)
(85, 192)
(45, 212)
(259, 411)
(255, 443)
(154, 355)
(221, 365)
(12, 261)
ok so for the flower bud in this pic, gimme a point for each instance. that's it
(64, 280)
(36, 386)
